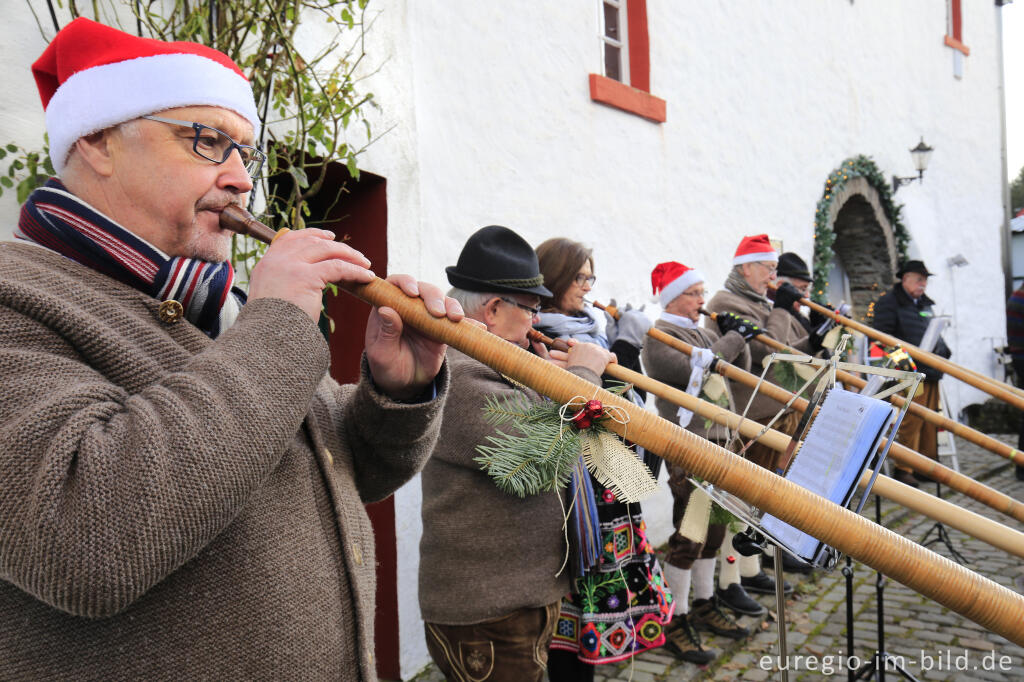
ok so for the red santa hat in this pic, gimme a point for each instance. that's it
(92, 77)
(671, 279)
(755, 248)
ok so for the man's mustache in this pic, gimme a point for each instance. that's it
(216, 204)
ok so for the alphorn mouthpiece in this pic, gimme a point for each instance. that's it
(610, 309)
(554, 344)
(235, 218)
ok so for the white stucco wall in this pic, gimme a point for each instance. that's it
(21, 113)
(762, 104)
(490, 121)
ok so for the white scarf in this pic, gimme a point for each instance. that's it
(700, 360)
(679, 320)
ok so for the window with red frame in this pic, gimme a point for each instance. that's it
(954, 36)
(625, 58)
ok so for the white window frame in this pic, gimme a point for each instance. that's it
(622, 45)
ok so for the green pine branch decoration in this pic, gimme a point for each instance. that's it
(786, 376)
(721, 515)
(540, 451)
(538, 456)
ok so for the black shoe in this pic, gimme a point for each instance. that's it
(748, 543)
(762, 583)
(790, 564)
(737, 599)
(707, 614)
(683, 642)
(906, 478)
(1020, 472)
(921, 478)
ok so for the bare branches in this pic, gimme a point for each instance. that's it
(308, 90)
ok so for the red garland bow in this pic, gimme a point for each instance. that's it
(592, 410)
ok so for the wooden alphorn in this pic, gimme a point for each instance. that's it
(937, 509)
(931, 416)
(994, 534)
(981, 600)
(989, 385)
(924, 465)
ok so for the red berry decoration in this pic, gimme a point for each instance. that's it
(582, 419)
(730, 559)
(594, 408)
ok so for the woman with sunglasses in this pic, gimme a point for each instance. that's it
(619, 605)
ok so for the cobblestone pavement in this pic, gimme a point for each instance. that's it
(931, 642)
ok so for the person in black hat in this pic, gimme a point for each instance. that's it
(905, 312)
(491, 576)
(796, 329)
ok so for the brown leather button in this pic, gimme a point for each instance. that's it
(170, 311)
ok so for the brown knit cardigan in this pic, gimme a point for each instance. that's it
(727, 301)
(484, 553)
(173, 507)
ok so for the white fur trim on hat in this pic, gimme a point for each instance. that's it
(679, 285)
(766, 256)
(104, 96)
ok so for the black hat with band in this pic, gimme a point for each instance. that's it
(792, 265)
(497, 259)
(913, 266)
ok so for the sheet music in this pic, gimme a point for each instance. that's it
(936, 325)
(833, 457)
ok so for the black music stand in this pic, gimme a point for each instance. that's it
(822, 555)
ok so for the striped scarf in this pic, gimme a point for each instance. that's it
(56, 219)
(583, 519)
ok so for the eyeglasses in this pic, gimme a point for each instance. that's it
(582, 279)
(533, 310)
(216, 145)
(771, 267)
(695, 294)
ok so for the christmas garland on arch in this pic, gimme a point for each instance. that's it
(824, 237)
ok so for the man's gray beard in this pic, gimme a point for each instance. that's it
(215, 248)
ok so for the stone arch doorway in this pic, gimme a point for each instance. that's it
(864, 252)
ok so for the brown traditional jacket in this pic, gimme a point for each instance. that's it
(782, 326)
(672, 367)
(726, 301)
(175, 507)
(484, 553)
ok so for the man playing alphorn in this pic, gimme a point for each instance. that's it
(183, 484)
(795, 329)
(490, 582)
(743, 304)
(681, 291)
(905, 312)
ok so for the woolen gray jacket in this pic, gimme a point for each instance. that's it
(176, 507)
(484, 552)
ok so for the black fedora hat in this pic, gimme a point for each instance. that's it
(497, 259)
(792, 265)
(913, 266)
